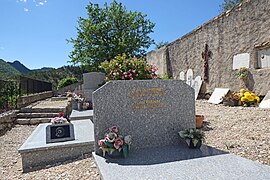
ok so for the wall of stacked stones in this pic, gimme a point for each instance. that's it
(244, 29)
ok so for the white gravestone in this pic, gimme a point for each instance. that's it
(241, 60)
(189, 77)
(217, 95)
(182, 76)
(266, 101)
(197, 83)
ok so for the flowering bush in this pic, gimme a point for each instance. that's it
(60, 119)
(124, 68)
(249, 98)
(113, 141)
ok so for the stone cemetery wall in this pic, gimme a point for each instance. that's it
(29, 99)
(6, 121)
(151, 111)
(239, 37)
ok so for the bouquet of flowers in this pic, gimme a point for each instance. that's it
(60, 119)
(249, 98)
(113, 141)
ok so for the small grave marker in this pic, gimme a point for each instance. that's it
(217, 95)
(197, 85)
(182, 76)
(189, 77)
(266, 101)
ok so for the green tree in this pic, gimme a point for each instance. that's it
(110, 31)
(228, 4)
(161, 44)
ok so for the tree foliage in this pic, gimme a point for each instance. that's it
(228, 4)
(161, 44)
(66, 81)
(110, 31)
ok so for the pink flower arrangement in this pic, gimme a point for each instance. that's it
(60, 119)
(113, 141)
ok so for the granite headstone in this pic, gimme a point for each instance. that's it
(151, 111)
(91, 81)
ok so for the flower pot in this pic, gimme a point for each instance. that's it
(192, 145)
(199, 121)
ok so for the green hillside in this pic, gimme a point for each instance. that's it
(7, 71)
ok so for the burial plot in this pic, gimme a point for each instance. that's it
(152, 112)
(217, 95)
(266, 101)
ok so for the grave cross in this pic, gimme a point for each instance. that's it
(206, 55)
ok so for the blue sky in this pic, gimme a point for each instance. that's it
(35, 31)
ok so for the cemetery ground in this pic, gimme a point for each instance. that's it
(243, 131)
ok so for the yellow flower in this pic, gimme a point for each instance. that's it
(250, 98)
(257, 99)
(242, 91)
(246, 93)
(243, 99)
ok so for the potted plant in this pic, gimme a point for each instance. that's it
(193, 137)
(199, 121)
(114, 144)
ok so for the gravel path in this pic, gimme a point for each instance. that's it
(241, 131)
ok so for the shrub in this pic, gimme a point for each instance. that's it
(66, 81)
(124, 68)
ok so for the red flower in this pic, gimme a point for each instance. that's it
(101, 143)
(61, 114)
(118, 143)
(114, 129)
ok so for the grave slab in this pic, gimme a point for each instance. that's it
(180, 162)
(217, 95)
(81, 115)
(36, 154)
(266, 101)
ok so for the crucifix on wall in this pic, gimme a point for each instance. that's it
(206, 55)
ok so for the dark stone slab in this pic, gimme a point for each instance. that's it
(59, 133)
(151, 111)
(179, 162)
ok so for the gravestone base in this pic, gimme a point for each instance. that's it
(180, 162)
(36, 154)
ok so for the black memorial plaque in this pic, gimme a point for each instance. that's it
(59, 133)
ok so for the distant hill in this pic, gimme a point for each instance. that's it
(20, 67)
(42, 69)
(7, 71)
